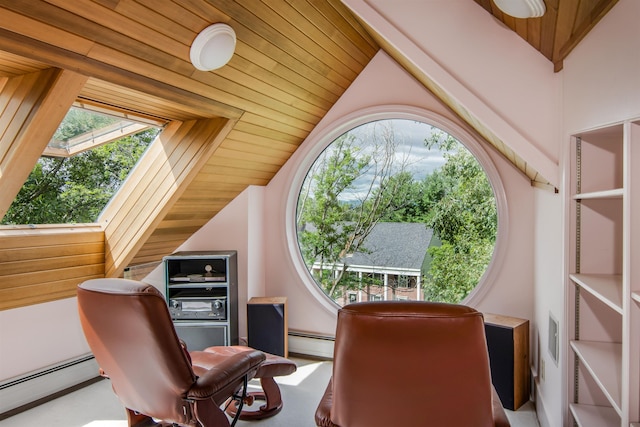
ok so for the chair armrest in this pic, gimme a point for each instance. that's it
(220, 376)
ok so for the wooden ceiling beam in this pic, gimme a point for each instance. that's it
(31, 108)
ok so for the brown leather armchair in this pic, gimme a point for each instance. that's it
(410, 364)
(129, 329)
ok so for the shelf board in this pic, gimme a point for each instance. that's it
(590, 415)
(189, 285)
(606, 287)
(604, 361)
(606, 194)
(636, 298)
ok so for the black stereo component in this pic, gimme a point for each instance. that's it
(198, 303)
(198, 308)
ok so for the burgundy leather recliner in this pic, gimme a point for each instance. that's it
(410, 364)
(129, 329)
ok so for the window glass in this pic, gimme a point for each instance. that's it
(82, 167)
(396, 209)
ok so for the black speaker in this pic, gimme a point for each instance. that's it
(267, 325)
(508, 345)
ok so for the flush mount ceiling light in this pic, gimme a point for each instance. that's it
(521, 8)
(213, 47)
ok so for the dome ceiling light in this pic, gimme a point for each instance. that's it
(213, 47)
(521, 8)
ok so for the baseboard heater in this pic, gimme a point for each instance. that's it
(311, 344)
(25, 390)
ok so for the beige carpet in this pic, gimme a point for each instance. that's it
(97, 406)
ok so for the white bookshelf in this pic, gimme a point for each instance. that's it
(604, 281)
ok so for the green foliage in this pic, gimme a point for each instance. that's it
(76, 189)
(464, 216)
(79, 121)
(455, 273)
(329, 229)
(322, 232)
(456, 201)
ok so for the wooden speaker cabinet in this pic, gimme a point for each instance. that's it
(508, 344)
(267, 328)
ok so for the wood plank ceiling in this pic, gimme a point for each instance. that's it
(560, 29)
(293, 61)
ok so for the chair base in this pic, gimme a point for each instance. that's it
(270, 395)
(273, 366)
(135, 419)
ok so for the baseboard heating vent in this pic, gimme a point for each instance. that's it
(26, 389)
(310, 344)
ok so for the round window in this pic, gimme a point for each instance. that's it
(396, 209)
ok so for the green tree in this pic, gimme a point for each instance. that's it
(76, 189)
(329, 229)
(464, 216)
(363, 179)
(322, 232)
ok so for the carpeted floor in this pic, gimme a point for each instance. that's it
(97, 406)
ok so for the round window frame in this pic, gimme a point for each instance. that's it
(328, 134)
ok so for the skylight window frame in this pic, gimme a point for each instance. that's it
(130, 123)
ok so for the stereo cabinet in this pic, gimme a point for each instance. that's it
(202, 294)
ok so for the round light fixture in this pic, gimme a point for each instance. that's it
(521, 8)
(213, 47)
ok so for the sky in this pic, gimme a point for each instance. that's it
(411, 150)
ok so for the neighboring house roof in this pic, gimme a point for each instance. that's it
(401, 245)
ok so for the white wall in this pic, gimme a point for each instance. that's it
(38, 336)
(512, 290)
(601, 85)
(601, 79)
(506, 85)
(549, 301)
(241, 228)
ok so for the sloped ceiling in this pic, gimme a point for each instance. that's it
(293, 61)
(560, 29)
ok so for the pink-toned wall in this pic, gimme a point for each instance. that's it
(308, 310)
(38, 336)
(506, 84)
(393, 86)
